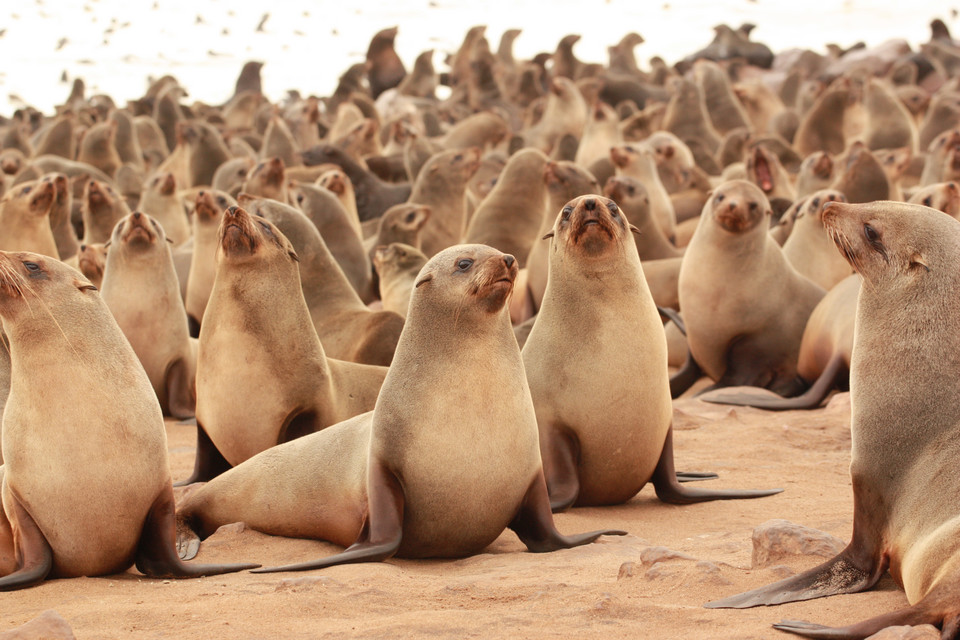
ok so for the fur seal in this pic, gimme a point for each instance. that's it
(441, 185)
(943, 196)
(51, 434)
(395, 479)
(825, 352)
(102, 208)
(348, 329)
(207, 211)
(904, 517)
(816, 173)
(639, 161)
(605, 431)
(739, 331)
(60, 217)
(255, 318)
(821, 128)
(631, 196)
(25, 218)
(385, 69)
(141, 289)
(97, 147)
(565, 112)
(373, 195)
(400, 223)
(511, 215)
(162, 201)
(397, 267)
(91, 261)
(810, 249)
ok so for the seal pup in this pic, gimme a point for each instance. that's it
(257, 317)
(744, 305)
(141, 289)
(395, 481)
(62, 515)
(605, 430)
(903, 435)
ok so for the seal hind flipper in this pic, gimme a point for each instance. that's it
(534, 525)
(671, 314)
(209, 461)
(915, 615)
(687, 375)
(669, 489)
(810, 399)
(382, 528)
(157, 555)
(36, 556)
(181, 391)
(695, 476)
(561, 456)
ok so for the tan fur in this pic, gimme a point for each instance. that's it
(397, 266)
(162, 201)
(810, 249)
(25, 218)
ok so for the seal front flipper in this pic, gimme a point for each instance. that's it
(561, 454)
(382, 528)
(910, 616)
(533, 524)
(671, 314)
(35, 555)
(209, 462)
(157, 551)
(669, 489)
(695, 476)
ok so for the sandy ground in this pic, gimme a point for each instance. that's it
(613, 588)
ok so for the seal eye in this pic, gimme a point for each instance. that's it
(458, 157)
(612, 206)
(222, 201)
(464, 264)
(566, 213)
(928, 200)
(266, 227)
(720, 197)
(26, 190)
(32, 267)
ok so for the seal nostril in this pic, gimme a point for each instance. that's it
(509, 260)
(136, 215)
(590, 204)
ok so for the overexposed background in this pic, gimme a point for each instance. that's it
(115, 45)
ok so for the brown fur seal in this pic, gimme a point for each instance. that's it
(348, 329)
(605, 430)
(903, 437)
(686, 116)
(565, 181)
(207, 151)
(60, 217)
(861, 177)
(889, 124)
(441, 186)
(255, 318)
(816, 173)
(374, 196)
(397, 268)
(639, 161)
(810, 249)
(400, 223)
(395, 479)
(337, 182)
(825, 352)
(268, 179)
(323, 208)
(102, 208)
(97, 147)
(385, 70)
(141, 289)
(565, 112)
(25, 218)
(207, 211)
(631, 196)
(722, 104)
(942, 196)
(162, 201)
(278, 142)
(51, 434)
(821, 128)
(739, 331)
(764, 169)
(511, 215)
(91, 260)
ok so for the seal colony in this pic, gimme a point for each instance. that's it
(407, 323)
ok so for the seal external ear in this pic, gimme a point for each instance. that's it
(293, 255)
(548, 236)
(424, 280)
(382, 528)
(635, 230)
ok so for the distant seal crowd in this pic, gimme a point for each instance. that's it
(457, 295)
